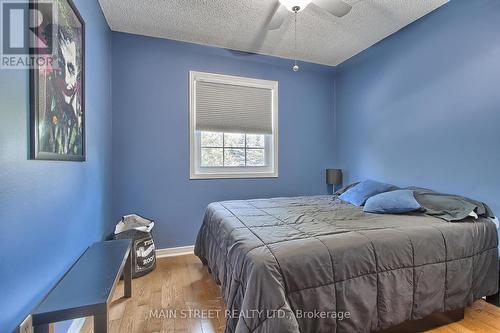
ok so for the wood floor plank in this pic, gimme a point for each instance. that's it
(183, 283)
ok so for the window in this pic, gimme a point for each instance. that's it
(233, 127)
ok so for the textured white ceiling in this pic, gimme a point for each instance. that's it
(241, 25)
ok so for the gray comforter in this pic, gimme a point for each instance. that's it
(316, 264)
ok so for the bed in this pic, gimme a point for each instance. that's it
(318, 264)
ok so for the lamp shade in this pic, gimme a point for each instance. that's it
(333, 176)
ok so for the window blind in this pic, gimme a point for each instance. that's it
(233, 108)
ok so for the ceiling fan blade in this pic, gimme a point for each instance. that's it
(335, 7)
(278, 18)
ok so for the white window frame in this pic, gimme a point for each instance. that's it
(198, 172)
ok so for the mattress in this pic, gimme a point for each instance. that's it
(317, 264)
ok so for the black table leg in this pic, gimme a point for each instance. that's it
(42, 328)
(101, 323)
(127, 277)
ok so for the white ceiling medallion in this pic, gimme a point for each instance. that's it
(289, 4)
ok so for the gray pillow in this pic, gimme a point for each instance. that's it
(449, 207)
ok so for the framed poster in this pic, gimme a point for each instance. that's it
(57, 91)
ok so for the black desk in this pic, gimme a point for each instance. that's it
(87, 287)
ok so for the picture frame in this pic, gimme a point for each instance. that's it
(57, 93)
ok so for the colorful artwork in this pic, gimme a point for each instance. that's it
(57, 91)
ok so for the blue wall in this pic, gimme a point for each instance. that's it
(151, 140)
(51, 211)
(423, 106)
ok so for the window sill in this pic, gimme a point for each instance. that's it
(246, 175)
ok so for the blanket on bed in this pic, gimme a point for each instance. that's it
(316, 264)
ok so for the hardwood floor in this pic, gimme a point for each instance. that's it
(182, 282)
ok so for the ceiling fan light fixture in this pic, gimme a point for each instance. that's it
(289, 4)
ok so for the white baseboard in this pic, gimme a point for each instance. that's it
(175, 251)
(76, 325)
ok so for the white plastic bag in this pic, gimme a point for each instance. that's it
(134, 221)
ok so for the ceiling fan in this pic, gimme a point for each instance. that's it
(337, 8)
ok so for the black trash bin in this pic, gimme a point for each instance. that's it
(138, 229)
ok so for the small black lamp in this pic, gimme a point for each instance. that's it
(334, 177)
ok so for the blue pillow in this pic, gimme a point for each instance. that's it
(394, 202)
(361, 192)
